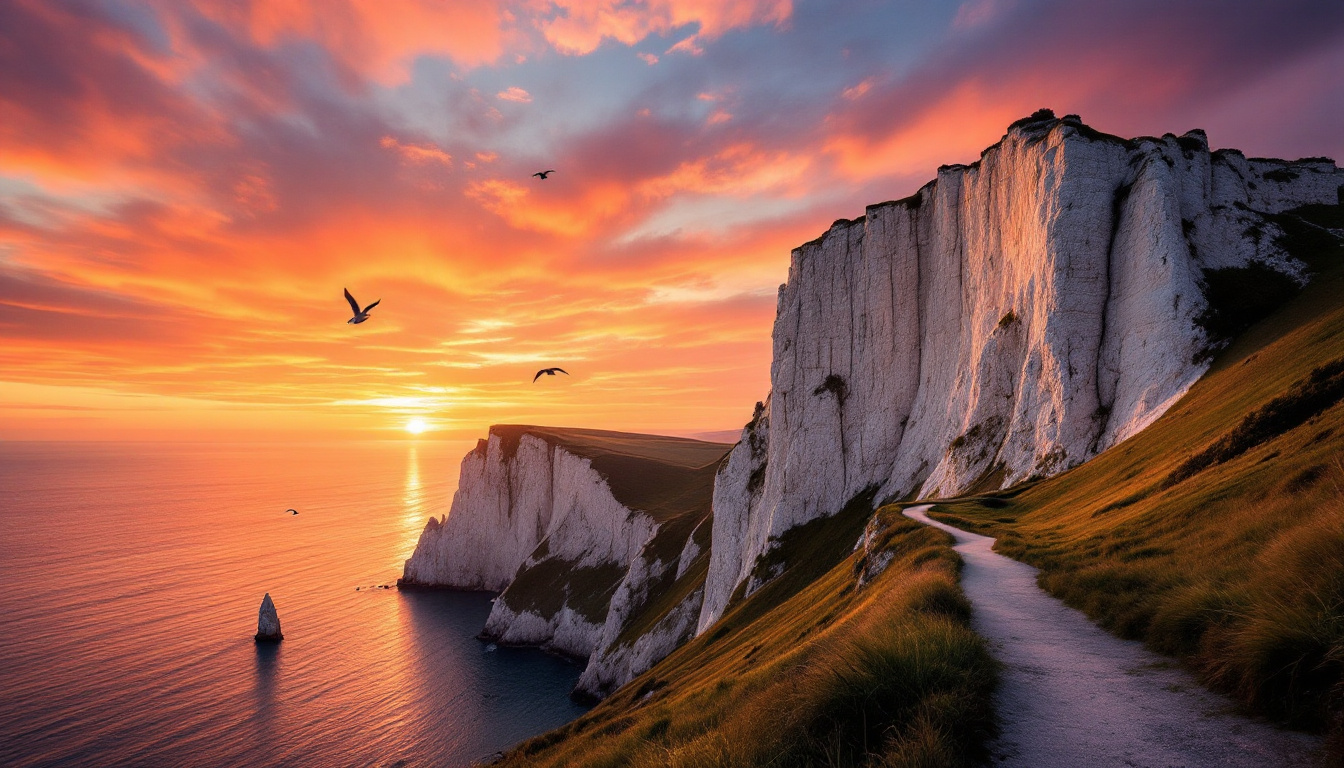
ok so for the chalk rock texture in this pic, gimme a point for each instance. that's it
(1010, 320)
(581, 531)
(268, 622)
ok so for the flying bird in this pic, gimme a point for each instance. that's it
(292, 511)
(543, 174)
(360, 314)
(549, 372)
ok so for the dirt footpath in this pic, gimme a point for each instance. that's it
(1073, 696)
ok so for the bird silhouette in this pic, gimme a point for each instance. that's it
(360, 314)
(549, 372)
(292, 511)
(543, 174)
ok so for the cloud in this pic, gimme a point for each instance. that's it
(514, 93)
(416, 153)
(579, 26)
(1111, 63)
(974, 13)
(856, 91)
(379, 40)
(689, 45)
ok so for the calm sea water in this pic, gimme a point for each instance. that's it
(130, 576)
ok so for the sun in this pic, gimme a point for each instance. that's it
(416, 425)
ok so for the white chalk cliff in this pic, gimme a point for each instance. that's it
(1012, 319)
(581, 531)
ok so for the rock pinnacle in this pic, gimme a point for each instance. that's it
(268, 622)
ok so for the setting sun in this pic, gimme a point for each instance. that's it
(416, 426)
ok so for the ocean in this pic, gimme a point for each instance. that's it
(131, 575)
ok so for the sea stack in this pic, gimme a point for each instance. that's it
(268, 622)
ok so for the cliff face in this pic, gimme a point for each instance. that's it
(1012, 319)
(588, 535)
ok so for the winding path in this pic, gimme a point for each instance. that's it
(1073, 696)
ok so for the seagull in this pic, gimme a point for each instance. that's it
(360, 314)
(543, 174)
(549, 372)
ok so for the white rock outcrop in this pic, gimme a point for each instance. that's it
(626, 649)
(534, 520)
(1012, 319)
(268, 622)
(501, 511)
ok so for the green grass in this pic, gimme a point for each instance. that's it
(811, 672)
(1217, 534)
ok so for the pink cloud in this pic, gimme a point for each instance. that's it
(690, 45)
(515, 94)
(416, 153)
(580, 26)
(1111, 64)
(376, 38)
(856, 91)
(974, 13)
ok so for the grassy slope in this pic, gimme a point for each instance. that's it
(1238, 567)
(807, 671)
(670, 478)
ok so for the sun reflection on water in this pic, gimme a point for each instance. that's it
(414, 512)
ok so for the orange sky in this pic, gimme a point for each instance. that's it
(185, 188)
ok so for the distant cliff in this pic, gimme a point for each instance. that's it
(1010, 320)
(586, 534)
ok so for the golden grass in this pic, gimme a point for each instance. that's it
(890, 675)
